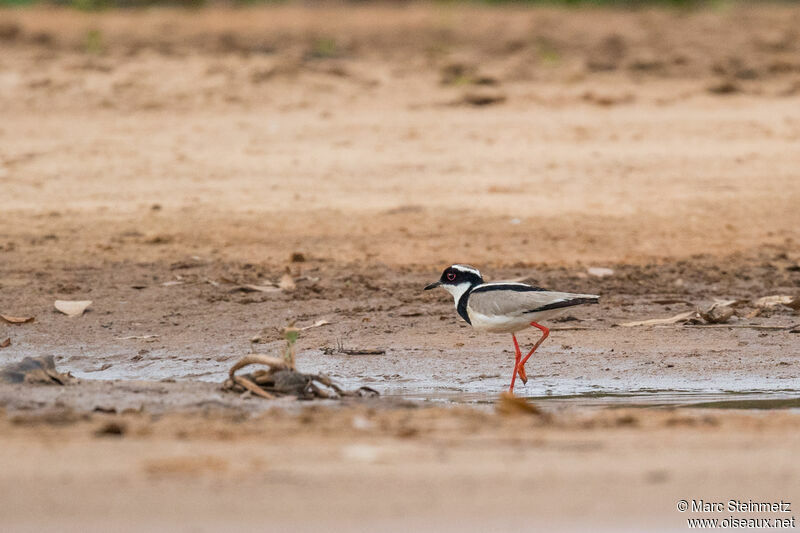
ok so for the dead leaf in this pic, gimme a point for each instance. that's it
(599, 272)
(682, 317)
(719, 312)
(728, 303)
(17, 319)
(6, 343)
(772, 301)
(316, 324)
(172, 283)
(717, 315)
(35, 370)
(72, 308)
(754, 313)
(286, 283)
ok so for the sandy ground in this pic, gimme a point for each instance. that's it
(368, 469)
(155, 162)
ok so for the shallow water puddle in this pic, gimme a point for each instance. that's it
(760, 400)
(447, 377)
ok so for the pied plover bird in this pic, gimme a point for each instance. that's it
(505, 306)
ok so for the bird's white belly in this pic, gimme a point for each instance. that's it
(507, 324)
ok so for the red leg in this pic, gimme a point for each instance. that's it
(522, 374)
(516, 363)
(521, 366)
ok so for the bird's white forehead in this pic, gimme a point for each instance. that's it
(467, 268)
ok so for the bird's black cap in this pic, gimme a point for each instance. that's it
(456, 275)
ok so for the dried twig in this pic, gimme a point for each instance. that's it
(741, 326)
(280, 379)
(682, 317)
(252, 387)
(352, 351)
(258, 359)
(369, 351)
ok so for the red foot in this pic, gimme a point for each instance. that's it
(516, 364)
(519, 365)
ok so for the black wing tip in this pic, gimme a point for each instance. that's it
(567, 303)
(587, 300)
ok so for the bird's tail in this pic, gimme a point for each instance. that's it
(571, 299)
(580, 299)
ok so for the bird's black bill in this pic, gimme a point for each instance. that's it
(432, 285)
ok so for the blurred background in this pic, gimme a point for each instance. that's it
(207, 173)
(530, 131)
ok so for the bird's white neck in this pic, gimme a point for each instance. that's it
(457, 290)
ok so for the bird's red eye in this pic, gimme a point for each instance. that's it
(451, 276)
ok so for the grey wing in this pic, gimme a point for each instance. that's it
(513, 303)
